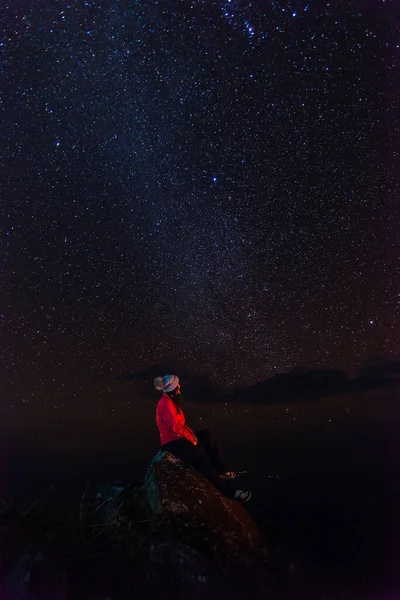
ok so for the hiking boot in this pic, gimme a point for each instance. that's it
(242, 496)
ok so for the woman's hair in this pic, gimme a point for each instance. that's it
(174, 396)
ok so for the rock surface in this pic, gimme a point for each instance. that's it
(180, 571)
(188, 505)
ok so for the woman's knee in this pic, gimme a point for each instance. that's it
(205, 437)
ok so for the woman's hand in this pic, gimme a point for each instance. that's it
(195, 440)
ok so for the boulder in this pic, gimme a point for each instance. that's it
(182, 502)
(178, 570)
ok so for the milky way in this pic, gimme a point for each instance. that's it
(204, 182)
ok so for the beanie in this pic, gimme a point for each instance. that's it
(166, 383)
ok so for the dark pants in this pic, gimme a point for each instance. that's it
(205, 458)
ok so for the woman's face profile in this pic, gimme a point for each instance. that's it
(177, 391)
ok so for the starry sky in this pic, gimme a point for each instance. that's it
(211, 183)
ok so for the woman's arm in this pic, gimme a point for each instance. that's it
(170, 420)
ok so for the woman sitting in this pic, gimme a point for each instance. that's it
(199, 449)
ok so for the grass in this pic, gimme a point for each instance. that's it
(74, 536)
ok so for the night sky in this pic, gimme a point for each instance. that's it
(209, 183)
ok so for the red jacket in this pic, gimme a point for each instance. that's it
(171, 423)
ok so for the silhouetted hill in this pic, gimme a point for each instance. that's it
(303, 384)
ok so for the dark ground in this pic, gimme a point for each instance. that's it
(326, 492)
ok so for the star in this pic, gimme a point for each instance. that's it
(125, 233)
